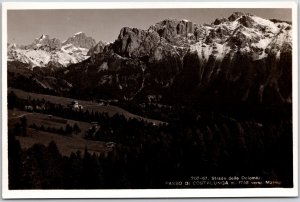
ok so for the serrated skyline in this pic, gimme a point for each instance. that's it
(25, 25)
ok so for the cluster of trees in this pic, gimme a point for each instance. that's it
(68, 130)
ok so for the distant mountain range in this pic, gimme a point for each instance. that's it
(45, 51)
(242, 58)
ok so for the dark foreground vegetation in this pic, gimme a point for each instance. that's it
(195, 142)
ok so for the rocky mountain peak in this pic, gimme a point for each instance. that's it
(235, 15)
(80, 40)
(44, 42)
(79, 33)
(43, 36)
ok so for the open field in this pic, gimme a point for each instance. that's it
(87, 105)
(66, 144)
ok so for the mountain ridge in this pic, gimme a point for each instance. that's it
(45, 51)
(242, 57)
(187, 59)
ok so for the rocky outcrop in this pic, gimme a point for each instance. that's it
(134, 42)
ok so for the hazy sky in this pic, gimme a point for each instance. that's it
(26, 25)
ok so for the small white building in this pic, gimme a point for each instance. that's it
(75, 104)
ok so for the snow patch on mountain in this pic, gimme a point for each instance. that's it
(42, 58)
(266, 23)
(78, 33)
(33, 57)
(262, 43)
(247, 33)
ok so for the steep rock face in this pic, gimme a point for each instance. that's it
(80, 40)
(170, 28)
(237, 78)
(178, 32)
(135, 42)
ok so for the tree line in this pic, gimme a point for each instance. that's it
(67, 130)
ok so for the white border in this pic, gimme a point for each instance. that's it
(149, 193)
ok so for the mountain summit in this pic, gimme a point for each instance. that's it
(44, 42)
(80, 40)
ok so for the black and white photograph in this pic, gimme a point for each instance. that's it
(189, 99)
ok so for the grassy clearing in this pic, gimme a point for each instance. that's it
(65, 144)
